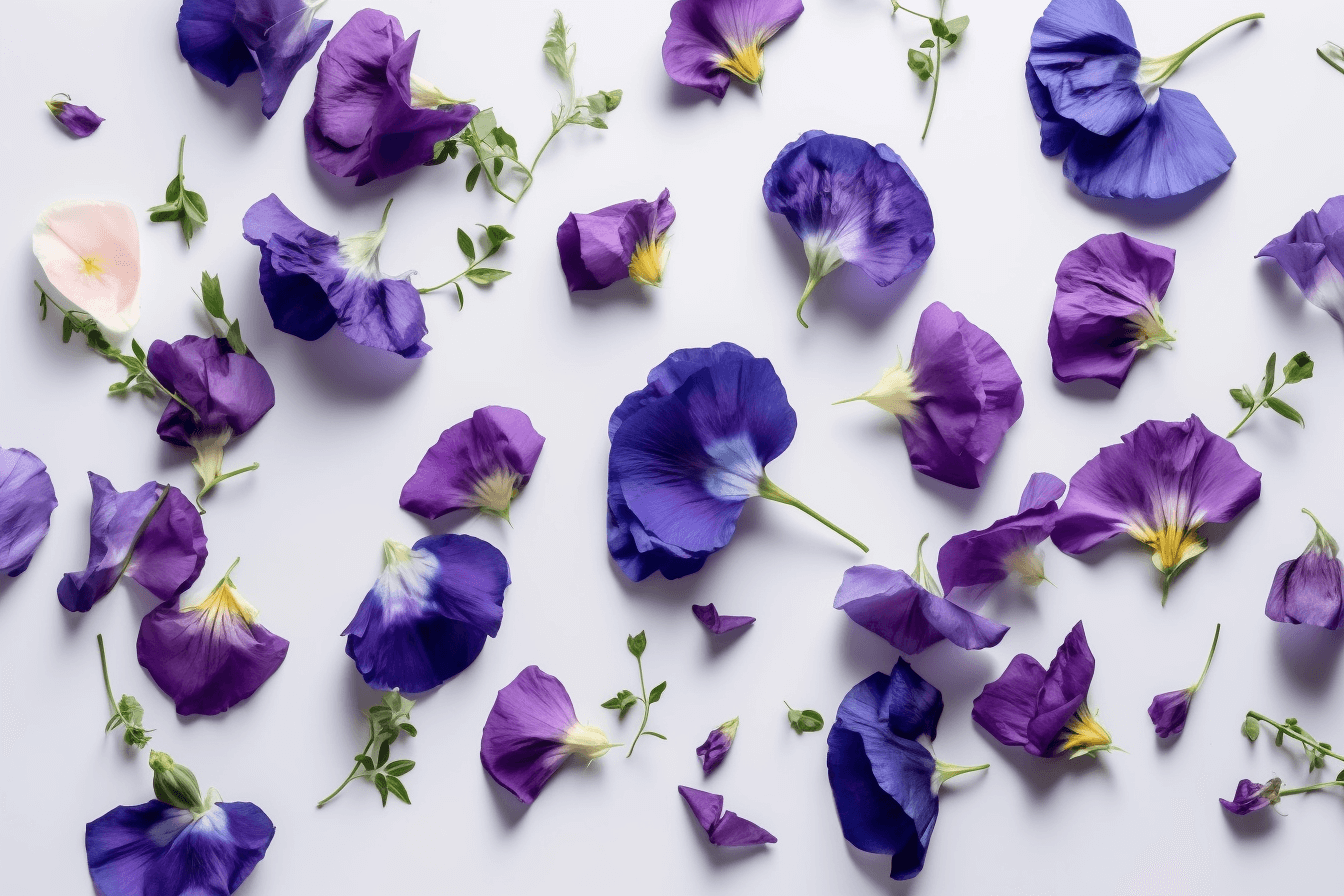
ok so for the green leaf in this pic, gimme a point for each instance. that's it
(1284, 409)
(398, 790)
(194, 206)
(928, 43)
(443, 151)
(655, 734)
(596, 123)
(613, 703)
(380, 781)
(173, 195)
(408, 728)
(636, 644)
(957, 25)
(400, 767)
(482, 276)
(558, 50)
(1250, 728)
(464, 243)
(472, 175)
(365, 761)
(1269, 372)
(1333, 54)
(505, 141)
(498, 165)
(235, 338)
(160, 213)
(657, 692)
(919, 63)
(804, 720)
(496, 235)
(384, 751)
(1299, 368)
(939, 27)
(1241, 397)
(212, 297)
(188, 228)
(461, 299)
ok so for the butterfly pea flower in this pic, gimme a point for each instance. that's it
(908, 611)
(883, 775)
(849, 201)
(210, 655)
(628, 239)
(956, 399)
(1103, 105)
(312, 282)
(709, 40)
(1008, 546)
(81, 121)
(371, 116)
(228, 392)
(223, 39)
(428, 615)
(26, 502)
(1310, 589)
(1252, 797)
(180, 843)
(717, 622)
(153, 534)
(1159, 485)
(480, 464)
(715, 748)
(1045, 711)
(723, 828)
(1105, 313)
(687, 451)
(1312, 255)
(530, 732)
(1170, 710)
(90, 251)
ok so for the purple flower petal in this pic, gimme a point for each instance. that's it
(708, 39)
(1310, 589)
(1057, 132)
(531, 731)
(906, 615)
(986, 556)
(26, 502)
(1252, 797)
(1169, 711)
(716, 746)
(1312, 254)
(1159, 485)
(154, 848)
(152, 535)
(428, 615)
(210, 43)
(591, 253)
(227, 390)
(1084, 55)
(80, 121)
(480, 463)
(724, 828)
(282, 35)
(364, 122)
(717, 623)
(849, 201)
(211, 655)
(1106, 307)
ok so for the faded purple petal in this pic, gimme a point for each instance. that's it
(81, 121)
(1312, 254)
(724, 828)
(985, 556)
(892, 605)
(210, 43)
(705, 35)
(521, 744)
(1250, 797)
(1106, 306)
(227, 390)
(970, 396)
(1029, 706)
(282, 35)
(154, 849)
(1168, 712)
(26, 502)
(495, 449)
(717, 623)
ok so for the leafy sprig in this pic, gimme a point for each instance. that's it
(497, 150)
(212, 298)
(387, 721)
(805, 720)
(1298, 368)
(495, 236)
(138, 378)
(624, 700)
(1316, 750)
(125, 712)
(179, 203)
(946, 34)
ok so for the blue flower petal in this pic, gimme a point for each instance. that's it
(210, 43)
(1084, 55)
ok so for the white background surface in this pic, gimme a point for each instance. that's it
(350, 424)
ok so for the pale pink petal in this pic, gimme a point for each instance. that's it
(90, 251)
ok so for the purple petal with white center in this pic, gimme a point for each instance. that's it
(428, 615)
(80, 121)
(969, 396)
(210, 43)
(227, 390)
(1159, 485)
(1250, 797)
(155, 538)
(26, 502)
(723, 828)
(1168, 712)
(154, 849)
(474, 463)
(1028, 706)
(281, 35)
(891, 604)
(1106, 302)
(1312, 254)
(986, 556)
(211, 655)
(708, 39)
(1083, 52)
(718, 623)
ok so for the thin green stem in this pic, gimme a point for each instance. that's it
(1255, 407)
(897, 7)
(772, 492)
(139, 533)
(812, 280)
(448, 282)
(937, 70)
(1306, 741)
(537, 158)
(220, 478)
(644, 698)
(354, 772)
(181, 151)
(1318, 786)
(107, 682)
(1167, 65)
(1208, 662)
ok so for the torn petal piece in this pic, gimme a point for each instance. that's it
(723, 828)
(718, 623)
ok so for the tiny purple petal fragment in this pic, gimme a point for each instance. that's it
(723, 828)
(80, 121)
(718, 623)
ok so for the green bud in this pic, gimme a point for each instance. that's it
(175, 784)
(1250, 728)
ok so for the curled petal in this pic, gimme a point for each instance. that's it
(718, 623)
(723, 828)
(894, 606)
(227, 390)
(26, 502)
(1312, 255)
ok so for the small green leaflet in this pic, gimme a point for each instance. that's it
(212, 297)
(1250, 728)
(179, 203)
(494, 236)
(804, 720)
(1333, 54)
(388, 720)
(626, 700)
(927, 61)
(1300, 367)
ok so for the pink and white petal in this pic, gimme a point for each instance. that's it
(90, 251)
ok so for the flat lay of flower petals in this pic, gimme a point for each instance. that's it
(636, 266)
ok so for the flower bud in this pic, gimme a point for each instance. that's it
(175, 784)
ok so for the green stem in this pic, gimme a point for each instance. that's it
(181, 151)
(107, 682)
(1208, 662)
(772, 492)
(448, 282)
(1320, 51)
(220, 478)
(644, 698)
(1307, 741)
(921, 574)
(897, 7)
(537, 158)
(937, 70)
(1255, 407)
(1318, 786)
(139, 533)
(812, 280)
(354, 772)
(1164, 67)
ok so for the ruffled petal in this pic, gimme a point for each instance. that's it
(1308, 590)
(895, 607)
(281, 35)
(521, 744)
(26, 502)
(297, 302)
(718, 623)
(706, 37)
(591, 253)
(1084, 55)
(227, 390)
(210, 43)
(723, 828)
(1007, 705)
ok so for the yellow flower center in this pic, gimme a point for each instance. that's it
(1173, 545)
(646, 264)
(494, 493)
(1085, 734)
(746, 62)
(586, 741)
(91, 266)
(225, 599)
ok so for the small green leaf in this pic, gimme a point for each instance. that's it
(464, 243)
(558, 50)
(505, 141)
(482, 276)
(173, 194)
(384, 751)
(235, 338)
(398, 790)
(194, 206)
(596, 123)
(655, 734)
(957, 25)
(380, 781)
(212, 297)
(613, 703)
(1241, 397)
(939, 27)
(1299, 368)
(1284, 409)
(365, 761)
(472, 175)
(804, 720)
(1250, 728)
(400, 767)
(636, 644)
(1333, 54)
(919, 63)
(498, 165)
(160, 213)
(657, 692)
(496, 235)
(461, 299)
(408, 728)
(188, 228)
(928, 43)
(443, 151)
(1269, 372)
